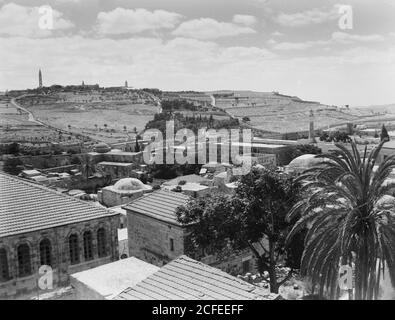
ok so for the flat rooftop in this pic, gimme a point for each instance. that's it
(256, 145)
(110, 279)
(118, 164)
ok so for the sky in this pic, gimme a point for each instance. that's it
(336, 52)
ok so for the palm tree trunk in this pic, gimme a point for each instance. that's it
(272, 269)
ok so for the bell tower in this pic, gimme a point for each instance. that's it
(40, 79)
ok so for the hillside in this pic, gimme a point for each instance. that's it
(278, 113)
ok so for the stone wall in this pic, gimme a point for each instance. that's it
(149, 239)
(62, 268)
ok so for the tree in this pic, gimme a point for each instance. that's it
(252, 218)
(347, 220)
(96, 126)
(13, 148)
(13, 166)
(246, 119)
(137, 147)
(384, 134)
(87, 166)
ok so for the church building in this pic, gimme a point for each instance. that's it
(41, 227)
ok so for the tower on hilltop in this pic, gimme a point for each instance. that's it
(40, 79)
(126, 84)
(311, 127)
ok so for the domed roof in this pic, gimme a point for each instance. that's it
(129, 184)
(102, 147)
(304, 162)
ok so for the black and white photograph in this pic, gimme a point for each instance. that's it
(216, 152)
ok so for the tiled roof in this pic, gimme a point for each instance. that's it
(26, 206)
(161, 205)
(187, 279)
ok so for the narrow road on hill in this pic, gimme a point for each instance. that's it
(24, 110)
(212, 100)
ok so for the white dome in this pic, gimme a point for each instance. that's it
(129, 184)
(304, 162)
(101, 147)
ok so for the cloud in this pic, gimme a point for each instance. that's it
(192, 64)
(277, 34)
(207, 28)
(129, 21)
(16, 20)
(244, 19)
(344, 37)
(336, 38)
(294, 45)
(308, 17)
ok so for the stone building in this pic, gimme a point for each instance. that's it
(122, 192)
(154, 233)
(156, 236)
(39, 226)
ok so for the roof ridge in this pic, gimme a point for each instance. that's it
(41, 187)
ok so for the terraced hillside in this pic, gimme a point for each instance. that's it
(271, 111)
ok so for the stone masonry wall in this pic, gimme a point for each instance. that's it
(25, 286)
(149, 239)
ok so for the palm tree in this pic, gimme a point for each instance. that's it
(350, 220)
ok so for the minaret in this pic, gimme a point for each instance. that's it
(40, 79)
(311, 128)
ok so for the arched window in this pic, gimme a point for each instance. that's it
(74, 249)
(24, 264)
(101, 242)
(88, 250)
(4, 276)
(45, 252)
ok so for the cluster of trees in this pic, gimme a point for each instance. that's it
(11, 148)
(337, 213)
(171, 171)
(174, 105)
(335, 137)
(155, 92)
(253, 218)
(13, 166)
(193, 123)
